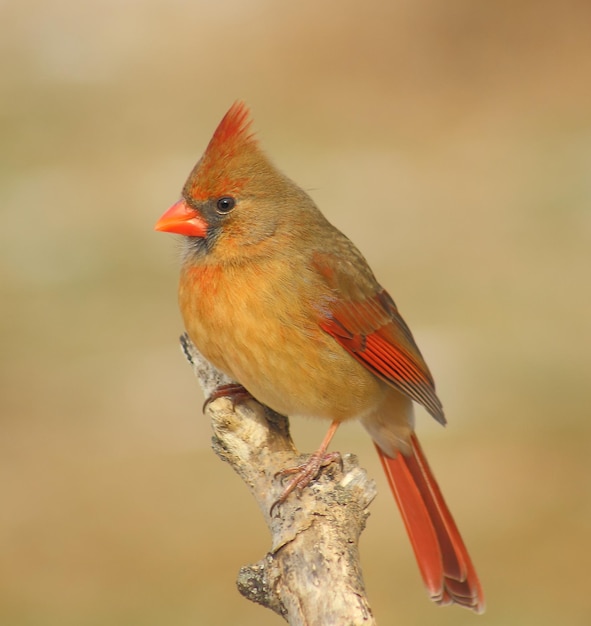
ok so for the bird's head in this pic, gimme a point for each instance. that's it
(234, 194)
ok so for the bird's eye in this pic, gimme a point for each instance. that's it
(225, 204)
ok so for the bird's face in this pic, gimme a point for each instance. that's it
(226, 222)
(235, 200)
(203, 219)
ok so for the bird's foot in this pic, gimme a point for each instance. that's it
(305, 474)
(234, 391)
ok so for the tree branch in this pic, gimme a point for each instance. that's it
(312, 575)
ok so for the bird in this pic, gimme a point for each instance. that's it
(280, 300)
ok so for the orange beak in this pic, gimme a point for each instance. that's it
(181, 219)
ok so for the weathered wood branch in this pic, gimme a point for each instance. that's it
(311, 576)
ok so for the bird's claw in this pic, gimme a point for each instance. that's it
(304, 474)
(234, 391)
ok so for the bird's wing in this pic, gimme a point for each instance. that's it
(362, 317)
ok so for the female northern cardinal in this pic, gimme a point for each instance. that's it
(280, 300)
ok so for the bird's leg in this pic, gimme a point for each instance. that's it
(236, 392)
(308, 471)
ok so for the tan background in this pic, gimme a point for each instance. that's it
(450, 140)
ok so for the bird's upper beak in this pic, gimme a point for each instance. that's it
(182, 219)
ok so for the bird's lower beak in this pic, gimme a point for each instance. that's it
(182, 219)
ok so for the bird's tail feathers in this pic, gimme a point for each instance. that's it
(442, 557)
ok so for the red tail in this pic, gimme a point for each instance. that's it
(441, 554)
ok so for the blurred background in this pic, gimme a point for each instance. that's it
(450, 140)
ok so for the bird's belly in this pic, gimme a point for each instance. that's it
(281, 357)
(308, 376)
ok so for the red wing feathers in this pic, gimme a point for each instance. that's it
(373, 332)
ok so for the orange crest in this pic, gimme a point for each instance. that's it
(232, 130)
(218, 171)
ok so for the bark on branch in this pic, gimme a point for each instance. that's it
(311, 576)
